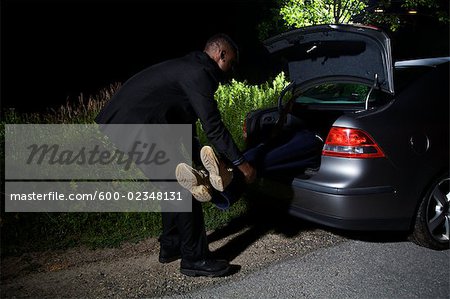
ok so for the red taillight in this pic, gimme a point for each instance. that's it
(351, 143)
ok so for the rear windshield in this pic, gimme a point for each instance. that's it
(341, 94)
(354, 94)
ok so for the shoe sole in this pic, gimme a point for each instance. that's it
(191, 272)
(187, 179)
(211, 163)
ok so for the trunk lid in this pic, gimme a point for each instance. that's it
(345, 53)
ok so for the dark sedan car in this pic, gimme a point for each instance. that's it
(384, 126)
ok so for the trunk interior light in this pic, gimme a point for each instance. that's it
(351, 143)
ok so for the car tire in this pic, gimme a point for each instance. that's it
(432, 224)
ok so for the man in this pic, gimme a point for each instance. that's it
(181, 91)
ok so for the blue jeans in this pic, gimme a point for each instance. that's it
(288, 155)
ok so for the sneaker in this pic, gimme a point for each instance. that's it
(195, 181)
(219, 175)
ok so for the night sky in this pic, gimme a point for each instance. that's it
(54, 50)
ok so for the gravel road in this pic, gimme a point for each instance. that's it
(133, 270)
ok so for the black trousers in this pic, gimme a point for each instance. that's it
(186, 230)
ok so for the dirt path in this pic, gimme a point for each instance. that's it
(133, 270)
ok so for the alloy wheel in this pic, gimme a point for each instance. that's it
(438, 215)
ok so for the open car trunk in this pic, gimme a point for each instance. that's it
(261, 128)
(260, 124)
(334, 70)
(315, 109)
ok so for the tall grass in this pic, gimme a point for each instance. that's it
(81, 111)
(22, 232)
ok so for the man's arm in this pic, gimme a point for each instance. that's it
(201, 96)
(222, 140)
(248, 171)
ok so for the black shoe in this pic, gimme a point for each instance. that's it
(205, 267)
(168, 255)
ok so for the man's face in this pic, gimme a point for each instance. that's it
(227, 60)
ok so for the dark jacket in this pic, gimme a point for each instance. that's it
(177, 91)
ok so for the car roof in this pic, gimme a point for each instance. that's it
(430, 62)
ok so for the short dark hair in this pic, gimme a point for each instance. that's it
(222, 38)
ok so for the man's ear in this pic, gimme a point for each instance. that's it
(222, 55)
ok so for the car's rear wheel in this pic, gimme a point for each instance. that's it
(432, 226)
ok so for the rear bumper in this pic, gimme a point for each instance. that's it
(369, 208)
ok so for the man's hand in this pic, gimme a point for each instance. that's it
(248, 171)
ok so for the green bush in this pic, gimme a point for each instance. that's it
(237, 99)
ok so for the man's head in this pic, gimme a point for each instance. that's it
(223, 50)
